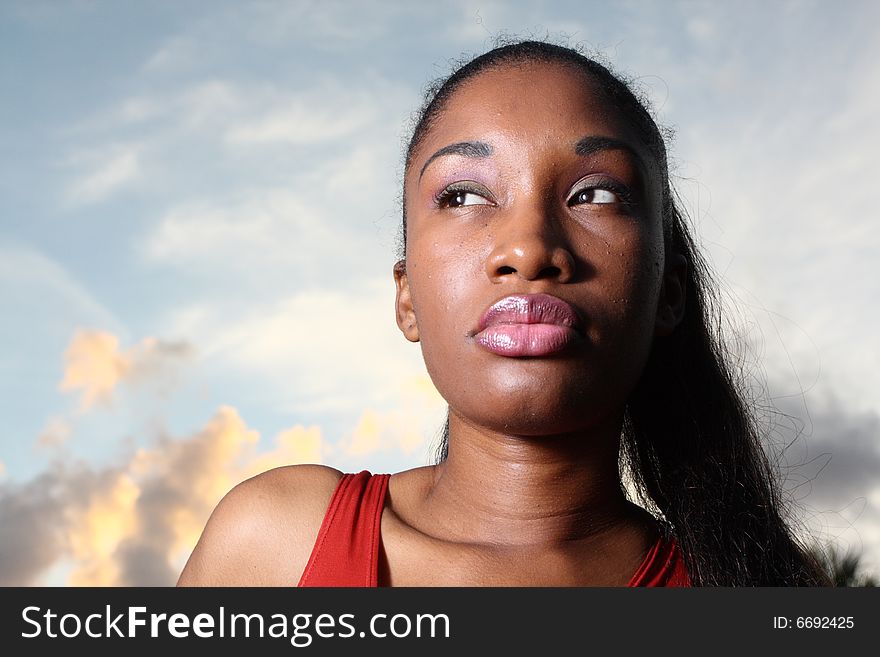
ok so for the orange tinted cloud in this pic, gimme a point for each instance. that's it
(177, 483)
(95, 366)
(96, 529)
(135, 524)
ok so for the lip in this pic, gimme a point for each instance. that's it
(530, 325)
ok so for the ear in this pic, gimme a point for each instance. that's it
(406, 316)
(673, 291)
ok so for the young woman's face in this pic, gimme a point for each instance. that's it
(535, 256)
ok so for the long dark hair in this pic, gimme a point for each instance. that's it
(690, 444)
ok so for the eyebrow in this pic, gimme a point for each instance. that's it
(590, 145)
(584, 147)
(466, 148)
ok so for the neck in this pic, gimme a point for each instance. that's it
(528, 490)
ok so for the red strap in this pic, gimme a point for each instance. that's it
(346, 552)
(663, 566)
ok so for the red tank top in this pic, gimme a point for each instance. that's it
(346, 552)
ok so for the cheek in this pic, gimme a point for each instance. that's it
(639, 272)
(631, 279)
(448, 261)
(446, 278)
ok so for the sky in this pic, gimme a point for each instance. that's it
(199, 205)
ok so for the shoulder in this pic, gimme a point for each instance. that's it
(262, 531)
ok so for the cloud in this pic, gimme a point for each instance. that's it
(179, 52)
(98, 524)
(843, 448)
(217, 36)
(180, 482)
(298, 444)
(277, 236)
(154, 360)
(270, 136)
(55, 433)
(701, 28)
(192, 109)
(320, 348)
(32, 518)
(402, 431)
(233, 114)
(213, 104)
(334, 26)
(395, 439)
(95, 366)
(312, 196)
(130, 524)
(109, 172)
(827, 454)
(135, 524)
(315, 118)
(138, 109)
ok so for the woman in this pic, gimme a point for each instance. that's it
(561, 309)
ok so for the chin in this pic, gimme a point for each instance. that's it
(531, 416)
(535, 398)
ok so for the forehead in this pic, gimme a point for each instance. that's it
(531, 103)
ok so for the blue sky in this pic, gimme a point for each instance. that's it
(199, 204)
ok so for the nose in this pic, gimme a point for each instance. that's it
(532, 247)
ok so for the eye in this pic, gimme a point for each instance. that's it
(459, 196)
(596, 195)
(459, 199)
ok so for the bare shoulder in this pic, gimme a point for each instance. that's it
(262, 531)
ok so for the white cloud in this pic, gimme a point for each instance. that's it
(328, 221)
(322, 349)
(186, 110)
(331, 25)
(236, 113)
(325, 111)
(701, 28)
(137, 109)
(301, 123)
(212, 104)
(255, 237)
(178, 53)
(109, 172)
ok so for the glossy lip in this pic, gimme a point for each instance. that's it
(530, 325)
